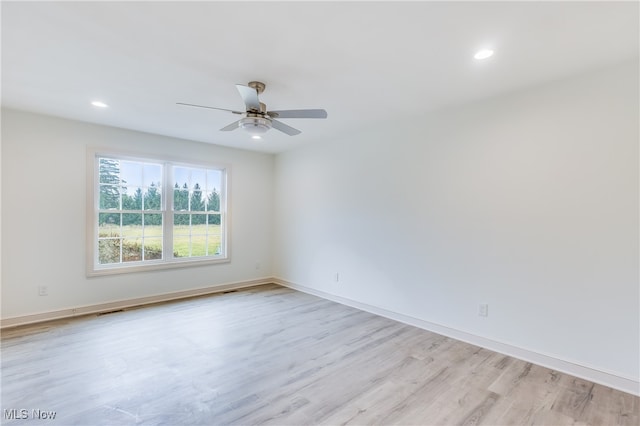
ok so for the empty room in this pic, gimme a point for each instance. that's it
(300, 213)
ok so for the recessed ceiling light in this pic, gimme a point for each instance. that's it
(483, 54)
(256, 137)
(99, 104)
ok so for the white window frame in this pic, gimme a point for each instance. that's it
(94, 268)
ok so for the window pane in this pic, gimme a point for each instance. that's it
(181, 219)
(153, 198)
(198, 219)
(213, 201)
(181, 245)
(132, 224)
(108, 250)
(131, 249)
(213, 235)
(214, 180)
(152, 174)
(109, 224)
(214, 219)
(213, 245)
(152, 248)
(181, 176)
(181, 239)
(196, 201)
(152, 236)
(198, 177)
(152, 225)
(198, 236)
(213, 230)
(131, 173)
(131, 198)
(198, 245)
(180, 198)
(190, 235)
(109, 197)
(109, 171)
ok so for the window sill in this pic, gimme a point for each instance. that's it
(147, 267)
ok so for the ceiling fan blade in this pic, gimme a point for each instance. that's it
(203, 106)
(299, 113)
(249, 96)
(284, 128)
(231, 126)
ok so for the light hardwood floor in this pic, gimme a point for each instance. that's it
(271, 355)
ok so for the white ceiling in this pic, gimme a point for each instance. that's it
(361, 61)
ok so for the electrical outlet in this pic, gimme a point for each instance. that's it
(43, 290)
(483, 310)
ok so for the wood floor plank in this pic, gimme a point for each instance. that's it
(271, 355)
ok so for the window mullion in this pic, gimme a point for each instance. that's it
(223, 214)
(167, 213)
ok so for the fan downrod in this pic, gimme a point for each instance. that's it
(258, 85)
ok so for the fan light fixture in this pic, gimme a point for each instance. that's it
(255, 125)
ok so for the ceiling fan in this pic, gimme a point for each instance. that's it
(257, 119)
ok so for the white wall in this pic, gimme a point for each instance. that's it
(44, 225)
(527, 202)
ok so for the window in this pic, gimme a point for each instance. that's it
(150, 213)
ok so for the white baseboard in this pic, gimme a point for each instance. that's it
(129, 303)
(612, 380)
